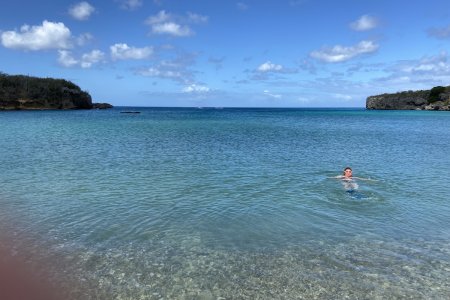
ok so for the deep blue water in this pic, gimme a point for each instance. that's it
(185, 203)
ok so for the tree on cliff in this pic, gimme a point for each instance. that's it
(21, 92)
(435, 93)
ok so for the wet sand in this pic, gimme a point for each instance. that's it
(20, 280)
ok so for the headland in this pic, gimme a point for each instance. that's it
(438, 98)
(20, 92)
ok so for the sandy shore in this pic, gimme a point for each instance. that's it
(25, 277)
(19, 280)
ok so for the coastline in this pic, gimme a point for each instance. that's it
(438, 98)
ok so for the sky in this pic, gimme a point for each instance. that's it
(246, 53)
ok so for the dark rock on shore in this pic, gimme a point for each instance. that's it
(101, 105)
(19, 92)
(437, 98)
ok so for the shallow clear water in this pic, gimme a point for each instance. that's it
(233, 203)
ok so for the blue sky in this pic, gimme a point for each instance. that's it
(285, 53)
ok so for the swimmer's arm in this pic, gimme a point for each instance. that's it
(353, 177)
(366, 179)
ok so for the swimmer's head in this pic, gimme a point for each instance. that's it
(348, 172)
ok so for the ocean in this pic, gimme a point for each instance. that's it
(231, 203)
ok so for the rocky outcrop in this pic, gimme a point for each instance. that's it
(101, 105)
(25, 92)
(410, 100)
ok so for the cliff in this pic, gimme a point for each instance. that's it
(26, 92)
(438, 98)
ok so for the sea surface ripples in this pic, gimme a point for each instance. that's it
(232, 203)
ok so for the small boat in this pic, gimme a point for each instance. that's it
(130, 112)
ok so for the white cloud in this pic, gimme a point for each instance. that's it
(48, 36)
(84, 38)
(165, 23)
(434, 65)
(176, 69)
(422, 73)
(275, 96)
(93, 57)
(364, 23)
(81, 11)
(340, 53)
(131, 4)
(123, 51)
(193, 88)
(161, 17)
(66, 59)
(196, 18)
(171, 29)
(270, 67)
(161, 73)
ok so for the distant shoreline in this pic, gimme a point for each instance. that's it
(438, 98)
(19, 92)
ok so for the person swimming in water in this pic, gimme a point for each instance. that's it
(349, 181)
(348, 175)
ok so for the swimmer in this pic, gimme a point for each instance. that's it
(348, 175)
(349, 182)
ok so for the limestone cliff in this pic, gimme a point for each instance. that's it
(26, 92)
(437, 98)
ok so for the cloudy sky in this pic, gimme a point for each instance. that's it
(252, 53)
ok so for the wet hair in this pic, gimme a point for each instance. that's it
(347, 168)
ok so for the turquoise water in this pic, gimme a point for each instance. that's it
(232, 203)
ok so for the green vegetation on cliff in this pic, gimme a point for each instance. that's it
(437, 98)
(435, 94)
(27, 92)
